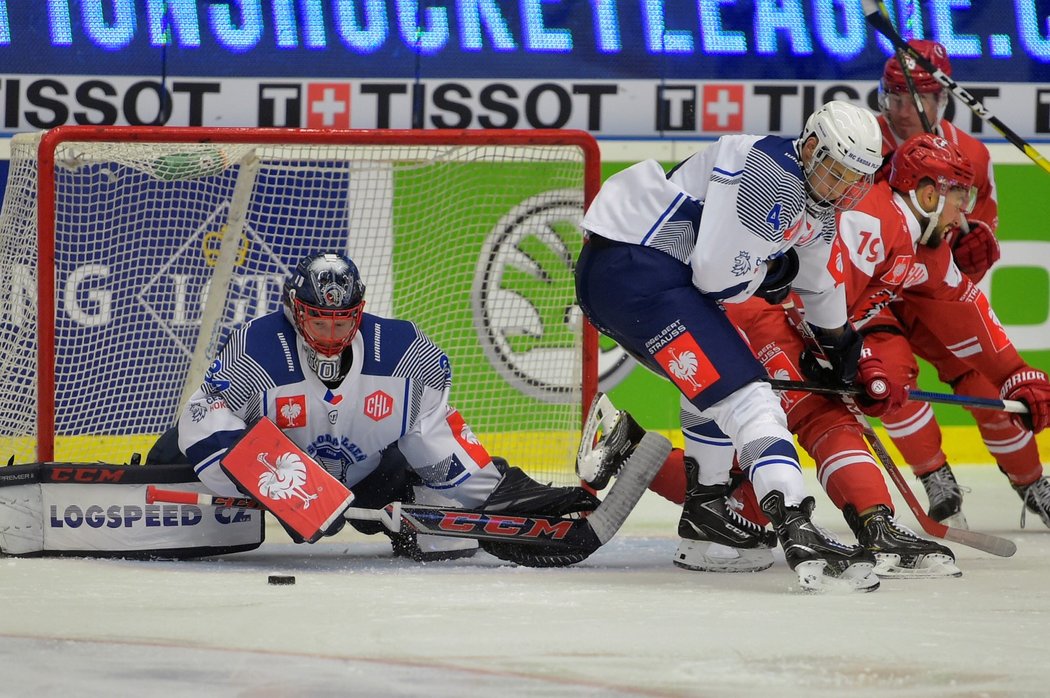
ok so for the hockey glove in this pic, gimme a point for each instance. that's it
(781, 270)
(1032, 388)
(977, 250)
(841, 352)
(881, 395)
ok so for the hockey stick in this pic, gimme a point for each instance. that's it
(458, 523)
(586, 533)
(973, 539)
(908, 79)
(984, 403)
(877, 16)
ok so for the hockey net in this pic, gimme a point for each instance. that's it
(152, 244)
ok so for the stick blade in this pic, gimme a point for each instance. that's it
(1003, 547)
(634, 478)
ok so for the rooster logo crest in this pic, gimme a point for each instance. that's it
(291, 411)
(684, 366)
(285, 479)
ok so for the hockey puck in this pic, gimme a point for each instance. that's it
(280, 579)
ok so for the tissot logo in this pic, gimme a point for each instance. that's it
(723, 108)
(676, 108)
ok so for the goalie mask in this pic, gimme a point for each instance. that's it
(840, 150)
(931, 159)
(325, 298)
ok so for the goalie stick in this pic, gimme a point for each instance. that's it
(984, 403)
(877, 16)
(585, 533)
(973, 539)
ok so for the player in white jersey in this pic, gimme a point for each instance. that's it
(749, 215)
(365, 396)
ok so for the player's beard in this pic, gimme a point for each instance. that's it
(935, 239)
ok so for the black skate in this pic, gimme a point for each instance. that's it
(945, 497)
(714, 537)
(821, 562)
(899, 553)
(609, 438)
(1036, 498)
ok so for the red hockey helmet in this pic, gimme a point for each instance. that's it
(929, 156)
(893, 75)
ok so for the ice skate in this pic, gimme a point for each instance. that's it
(609, 438)
(714, 537)
(1036, 498)
(899, 552)
(821, 562)
(945, 497)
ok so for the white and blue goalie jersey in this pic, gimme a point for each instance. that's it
(726, 211)
(395, 393)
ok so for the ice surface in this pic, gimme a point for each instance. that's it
(624, 623)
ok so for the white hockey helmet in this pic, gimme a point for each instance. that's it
(850, 136)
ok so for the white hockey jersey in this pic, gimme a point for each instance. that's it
(726, 212)
(395, 393)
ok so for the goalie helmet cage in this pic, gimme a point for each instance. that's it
(148, 245)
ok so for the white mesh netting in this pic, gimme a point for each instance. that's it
(475, 243)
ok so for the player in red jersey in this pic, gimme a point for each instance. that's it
(974, 247)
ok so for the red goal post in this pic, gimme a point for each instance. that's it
(150, 244)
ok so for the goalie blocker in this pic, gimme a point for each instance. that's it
(98, 509)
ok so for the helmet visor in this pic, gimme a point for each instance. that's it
(832, 183)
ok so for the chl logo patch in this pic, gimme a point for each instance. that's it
(291, 412)
(379, 405)
(687, 365)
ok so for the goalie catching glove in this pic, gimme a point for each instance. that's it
(517, 493)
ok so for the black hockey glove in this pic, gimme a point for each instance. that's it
(841, 351)
(782, 271)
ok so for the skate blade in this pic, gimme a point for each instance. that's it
(932, 566)
(813, 576)
(705, 556)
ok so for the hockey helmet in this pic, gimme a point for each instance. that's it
(325, 299)
(929, 156)
(932, 158)
(893, 79)
(894, 85)
(848, 153)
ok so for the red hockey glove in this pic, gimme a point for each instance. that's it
(1032, 388)
(976, 251)
(881, 394)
